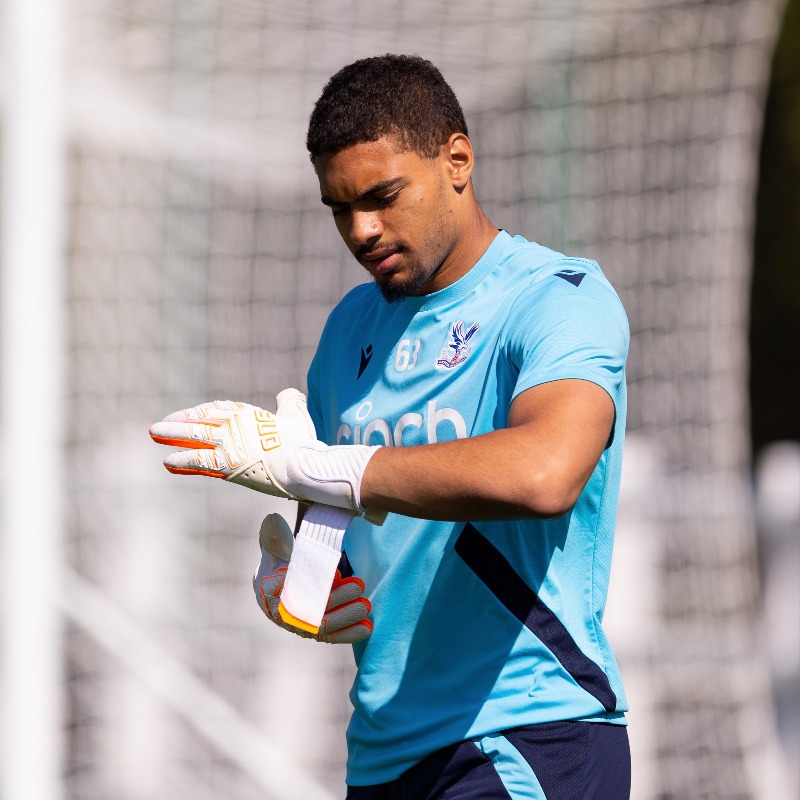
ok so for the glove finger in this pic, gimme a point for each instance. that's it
(345, 591)
(293, 413)
(355, 633)
(349, 635)
(275, 536)
(338, 580)
(184, 434)
(216, 408)
(297, 631)
(261, 597)
(271, 585)
(197, 462)
(268, 591)
(346, 615)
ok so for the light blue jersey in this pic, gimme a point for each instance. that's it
(486, 626)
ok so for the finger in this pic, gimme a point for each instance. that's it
(197, 462)
(355, 633)
(345, 591)
(275, 536)
(185, 434)
(346, 615)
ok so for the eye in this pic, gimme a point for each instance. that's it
(337, 211)
(387, 201)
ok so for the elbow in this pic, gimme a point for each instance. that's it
(549, 496)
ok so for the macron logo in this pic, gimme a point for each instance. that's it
(571, 276)
(366, 356)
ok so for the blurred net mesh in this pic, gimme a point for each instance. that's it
(202, 265)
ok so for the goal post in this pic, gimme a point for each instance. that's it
(32, 397)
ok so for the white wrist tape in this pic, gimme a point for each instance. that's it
(315, 557)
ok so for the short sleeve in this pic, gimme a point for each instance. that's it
(555, 333)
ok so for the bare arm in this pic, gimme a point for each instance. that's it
(536, 467)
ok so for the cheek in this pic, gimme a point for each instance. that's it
(343, 227)
(419, 218)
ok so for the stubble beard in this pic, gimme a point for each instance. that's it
(396, 289)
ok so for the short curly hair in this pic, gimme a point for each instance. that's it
(389, 95)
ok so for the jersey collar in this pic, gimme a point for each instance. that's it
(466, 283)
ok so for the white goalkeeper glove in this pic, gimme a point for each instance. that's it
(345, 619)
(279, 454)
(274, 453)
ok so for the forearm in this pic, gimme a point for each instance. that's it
(536, 467)
(494, 476)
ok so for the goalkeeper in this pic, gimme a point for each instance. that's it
(475, 390)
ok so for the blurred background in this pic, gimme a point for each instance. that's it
(163, 244)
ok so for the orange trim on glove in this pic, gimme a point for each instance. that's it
(194, 444)
(186, 471)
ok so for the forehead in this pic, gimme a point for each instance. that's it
(356, 169)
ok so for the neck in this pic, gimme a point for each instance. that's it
(477, 233)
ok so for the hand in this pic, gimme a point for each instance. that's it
(274, 453)
(345, 620)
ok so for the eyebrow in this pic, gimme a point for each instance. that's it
(373, 190)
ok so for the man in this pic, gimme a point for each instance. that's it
(475, 390)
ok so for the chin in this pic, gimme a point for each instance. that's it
(395, 291)
(396, 288)
(391, 295)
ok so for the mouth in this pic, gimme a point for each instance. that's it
(381, 261)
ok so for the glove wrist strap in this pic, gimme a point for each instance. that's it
(333, 475)
(315, 556)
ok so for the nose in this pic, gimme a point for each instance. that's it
(365, 227)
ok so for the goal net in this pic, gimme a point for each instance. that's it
(201, 265)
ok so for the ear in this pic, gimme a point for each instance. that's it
(459, 159)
